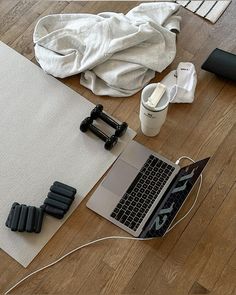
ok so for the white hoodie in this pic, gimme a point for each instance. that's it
(117, 54)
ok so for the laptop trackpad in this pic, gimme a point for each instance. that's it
(120, 177)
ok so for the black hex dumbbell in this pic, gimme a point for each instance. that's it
(87, 124)
(97, 112)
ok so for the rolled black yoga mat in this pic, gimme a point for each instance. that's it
(221, 63)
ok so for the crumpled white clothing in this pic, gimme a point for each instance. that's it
(117, 54)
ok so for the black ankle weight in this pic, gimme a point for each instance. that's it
(23, 218)
(59, 199)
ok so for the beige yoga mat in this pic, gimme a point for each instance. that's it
(40, 142)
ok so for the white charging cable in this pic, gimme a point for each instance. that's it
(184, 157)
(111, 237)
(72, 251)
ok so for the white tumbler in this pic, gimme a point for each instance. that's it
(152, 119)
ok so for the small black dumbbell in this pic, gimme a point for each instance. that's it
(97, 112)
(87, 124)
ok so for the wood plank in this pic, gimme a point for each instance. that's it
(126, 269)
(168, 275)
(227, 283)
(232, 261)
(178, 274)
(144, 274)
(99, 277)
(6, 6)
(221, 234)
(199, 255)
(14, 14)
(24, 44)
(22, 24)
(213, 250)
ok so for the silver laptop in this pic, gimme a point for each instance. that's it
(143, 191)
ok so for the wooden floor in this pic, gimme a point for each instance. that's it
(199, 255)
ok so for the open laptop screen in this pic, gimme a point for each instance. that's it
(173, 200)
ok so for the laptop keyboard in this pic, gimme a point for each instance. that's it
(142, 193)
